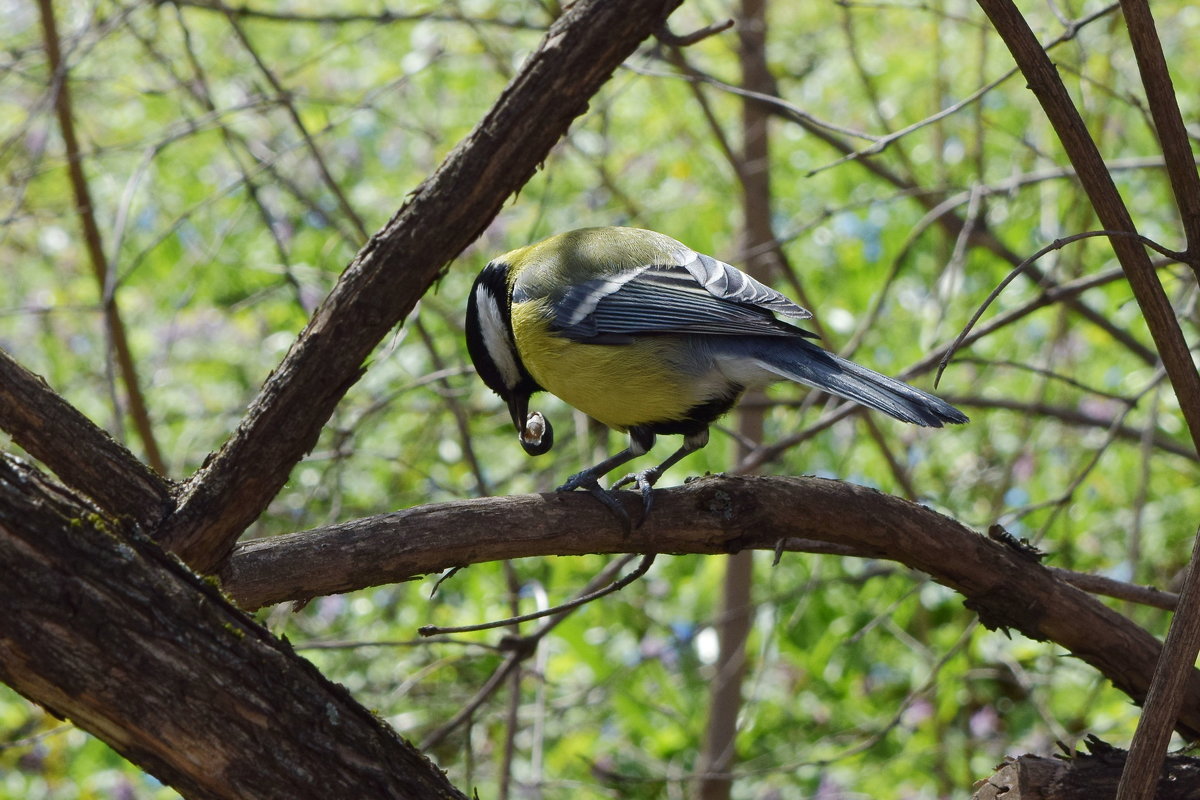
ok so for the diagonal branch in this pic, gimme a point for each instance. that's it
(1168, 121)
(398, 264)
(1160, 716)
(82, 454)
(1048, 87)
(940, 208)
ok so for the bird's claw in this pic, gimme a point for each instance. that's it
(585, 480)
(644, 481)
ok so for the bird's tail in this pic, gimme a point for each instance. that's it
(802, 362)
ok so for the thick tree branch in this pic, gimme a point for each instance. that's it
(389, 275)
(108, 630)
(712, 515)
(83, 455)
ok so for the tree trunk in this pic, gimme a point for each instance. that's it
(106, 630)
(736, 615)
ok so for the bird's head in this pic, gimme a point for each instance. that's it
(494, 353)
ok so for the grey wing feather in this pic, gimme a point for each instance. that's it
(730, 283)
(700, 295)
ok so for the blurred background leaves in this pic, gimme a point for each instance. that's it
(235, 158)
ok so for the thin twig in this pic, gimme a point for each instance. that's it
(93, 241)
(285, 99)
(1057, 244)
(665, 36)
(1119, 590)
(380, 18)
(1060, 293)
(519, 650)
(615, 586)
(1073, 416)
(940, 209)
(1056, 102)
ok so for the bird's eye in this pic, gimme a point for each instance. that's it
(537, 436)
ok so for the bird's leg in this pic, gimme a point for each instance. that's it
(639, 443)
(646, 479)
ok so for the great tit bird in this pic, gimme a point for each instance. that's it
(649, 337)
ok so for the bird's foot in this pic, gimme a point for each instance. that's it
(644, 481)
(586, 480)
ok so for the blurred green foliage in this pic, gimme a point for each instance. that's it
(865, 680)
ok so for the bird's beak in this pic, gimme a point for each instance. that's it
(518, 407)
(534, 430)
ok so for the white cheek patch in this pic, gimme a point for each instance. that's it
(496, 337)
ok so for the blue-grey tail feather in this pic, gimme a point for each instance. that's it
(799, 361)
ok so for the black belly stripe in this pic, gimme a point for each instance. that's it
(698, 417)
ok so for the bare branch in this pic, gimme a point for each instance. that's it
(1165, 696)
(1153, 732)
(711, 515)
(1119, 590)
(379, 18)
(82, 454)
(1057, 244)
(1056, 294)
(520, 649)
(940, 208)
(665, 35)
(1048, 87)
(615, 586)
(1168, 121)
(1074, 416)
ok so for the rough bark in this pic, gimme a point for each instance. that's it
(1083, 776)
(82, 454)
(105, 629)
(397, 266)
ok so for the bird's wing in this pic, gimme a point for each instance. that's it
(695, 294)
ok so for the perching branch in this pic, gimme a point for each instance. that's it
(712, 515)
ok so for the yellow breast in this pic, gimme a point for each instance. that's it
(618, 385)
